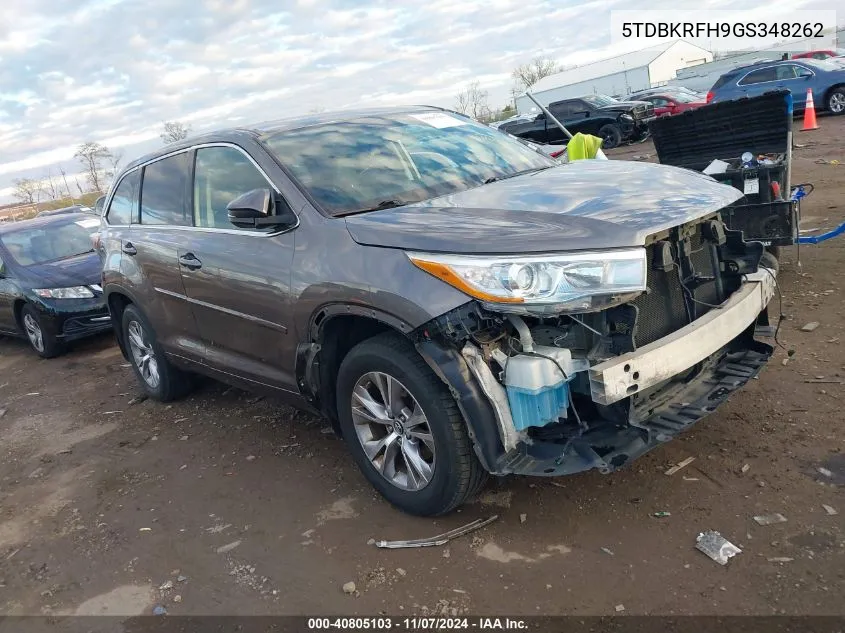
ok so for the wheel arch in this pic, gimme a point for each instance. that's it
(333, 331)
(117, 300)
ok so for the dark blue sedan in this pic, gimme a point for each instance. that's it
(825, 78)
(50, 282)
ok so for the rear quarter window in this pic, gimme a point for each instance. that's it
(721, 81)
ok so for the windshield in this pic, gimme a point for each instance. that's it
(683, 97)
(822, 64)
(389, 160)
(49, 243)
(599, 100)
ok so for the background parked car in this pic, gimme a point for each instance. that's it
(613, 121)
(668, 103)
(825, 78)
(77, 208)
(50, 282)
(639, 94)
(820, 54)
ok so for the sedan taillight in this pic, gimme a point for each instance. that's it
(710, 96)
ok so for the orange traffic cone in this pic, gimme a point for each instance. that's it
(810, 113)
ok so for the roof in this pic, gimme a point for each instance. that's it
(601, 68)
(274, 126)
(44, 220)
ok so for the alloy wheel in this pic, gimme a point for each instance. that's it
(33, 332)
(837, 103)
(143, 354)
(393, 431)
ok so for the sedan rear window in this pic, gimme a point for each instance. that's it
(357, 165)
(50, 243)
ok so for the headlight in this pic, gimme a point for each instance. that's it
(580, 282)
(76, 292)
(626, 117)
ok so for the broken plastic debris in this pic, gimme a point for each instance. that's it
(145, 529)
(781, 559)
(228, 547)
(159, 610)
(716, 546)
(440, 539)
(166, 586)
(662, 514)
(607, 551)
(620, 608)
(679, 465)
(809, 327)
(746, 467)
(831, 511)
(825, 472)
(770, 519)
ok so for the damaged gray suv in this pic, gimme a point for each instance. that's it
(454, 302)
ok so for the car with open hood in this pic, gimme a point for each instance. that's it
(615, 122)
(454, 302)
(50, 291)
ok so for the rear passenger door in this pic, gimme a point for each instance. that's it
(238, 280)
(150, 254)
(758, 81)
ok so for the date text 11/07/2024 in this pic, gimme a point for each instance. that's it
(416, 624)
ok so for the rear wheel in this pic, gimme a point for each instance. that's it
(610, 135)
(836, 100)
(40, 338)
(158, 377)
(404, 429)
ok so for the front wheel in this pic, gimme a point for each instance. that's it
(611, 136)
(836, 101)
(404, 429)
(158, 377)
(40, 337)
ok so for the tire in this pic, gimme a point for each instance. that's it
(454, 474)
(41, 338)
(170, 382)
(611, 136)
(836, 100)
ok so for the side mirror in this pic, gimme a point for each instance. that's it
(540, 117)
(259, 208)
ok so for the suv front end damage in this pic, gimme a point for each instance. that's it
(551, 394)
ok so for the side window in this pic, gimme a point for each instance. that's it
(758, 76)
(124, 205)
(163, 191)
(787, 71)
(659, 102)
(563, 110)
(221, 174)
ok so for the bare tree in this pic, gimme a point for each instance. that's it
(50, 186)
(174, 131)
(92, 156)
(473, 102)
(67, 188)
(26, 189)
(529, 74)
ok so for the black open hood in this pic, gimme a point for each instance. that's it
(724, 130)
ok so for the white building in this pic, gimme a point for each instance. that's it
(621, 75)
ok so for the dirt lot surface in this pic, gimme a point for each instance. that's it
(225, 503)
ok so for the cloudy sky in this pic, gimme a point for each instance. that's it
(112, 71)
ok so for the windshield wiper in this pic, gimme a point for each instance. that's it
(384, 204)
(515, 174)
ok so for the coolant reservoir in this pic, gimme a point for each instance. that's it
(538, 393)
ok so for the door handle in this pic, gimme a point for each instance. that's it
(190, 262)
(129, 249)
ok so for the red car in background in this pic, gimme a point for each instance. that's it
(821, 54)
(671, 102)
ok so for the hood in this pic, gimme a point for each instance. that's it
(82, 270)
(584, 205)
